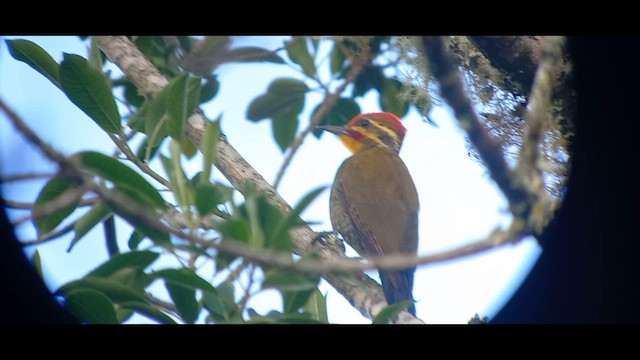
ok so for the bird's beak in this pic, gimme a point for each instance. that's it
(338, 130)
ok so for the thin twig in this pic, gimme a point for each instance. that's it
(28, 176)
(28, 206)
(46, 149)
(280, 259)
(327, 104)
(49, 236)
(124, 147)
(247, 291)
(62, 201)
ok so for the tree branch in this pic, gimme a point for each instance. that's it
(360, 292)
(528, 167)
(452, 90)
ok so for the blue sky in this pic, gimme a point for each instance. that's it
(459, 203)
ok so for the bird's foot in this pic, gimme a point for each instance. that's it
(332, 236)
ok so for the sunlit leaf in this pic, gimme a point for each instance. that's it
(182, 97)
(209, 149)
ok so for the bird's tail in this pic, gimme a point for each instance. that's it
(398, 286)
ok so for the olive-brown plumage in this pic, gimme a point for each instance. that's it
(374, 202)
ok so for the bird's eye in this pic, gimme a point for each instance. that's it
(364, 122)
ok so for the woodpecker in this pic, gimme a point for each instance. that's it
(374, 202)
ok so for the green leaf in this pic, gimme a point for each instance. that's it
(291, 219)
(389, 98)
(389, 313)
(371, 77)
(155, 119)
(336, 59)
(160, 238)
(316, 307)
(37, 263)
(113, 289)
(221, 303)
(95, 54)
(143, 150)
(298, 52)
(182, 97)
(134, 259)
(147, 310)
(50, 192)
(285, 124)
(188, 148)
(91, 306)
(36, 57)
(177, 178)
(98, 212)
(287, 87)
(284, 280)
(207, 198)
(344, 110)
(131, 94)
(268, 105)
(207, 54)
(131, 277)
(253, 54)
(209, 89)
(235, 229)
(209, 149)
(124, 178)
(283, 95)
(88, 89)
(294, 300)
(135, 239)
(184, 277)
(185, 301)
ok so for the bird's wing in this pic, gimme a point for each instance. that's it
(382, 203)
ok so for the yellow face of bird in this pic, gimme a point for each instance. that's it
(370, 130)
